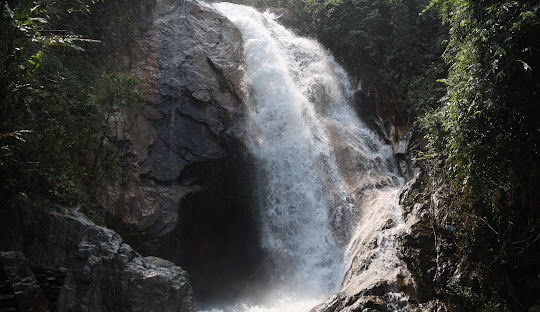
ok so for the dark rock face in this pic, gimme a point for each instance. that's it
(190, 69)
(64, 262)
(26, 289)
(418, 246)
(184, 193)
(382, 113)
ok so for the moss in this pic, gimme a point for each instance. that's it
(412, 198)
(93, 212)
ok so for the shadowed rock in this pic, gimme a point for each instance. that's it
(189, 63)
(96, 270)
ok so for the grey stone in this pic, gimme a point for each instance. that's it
(403, 144)
(26, 289)
(189, 64)
(101, 273)
(159, 262)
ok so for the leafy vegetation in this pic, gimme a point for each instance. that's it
(387, 45)
(484, 140)
(57, 101)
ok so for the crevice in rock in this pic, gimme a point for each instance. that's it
(224, 83)
(7, 295)
(51, 281)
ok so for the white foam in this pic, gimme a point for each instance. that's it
(312, 153)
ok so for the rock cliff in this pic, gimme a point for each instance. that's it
(181, 191)
(184, 189)
(189, 63)
(58, 260)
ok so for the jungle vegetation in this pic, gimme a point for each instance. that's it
(466, 73)
(58, 95)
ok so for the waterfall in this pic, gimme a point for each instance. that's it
(314, 157)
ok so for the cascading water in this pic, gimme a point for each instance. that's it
(313, 155)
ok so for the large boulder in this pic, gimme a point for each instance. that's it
(189, 65)
(61, 261)
(183, 190)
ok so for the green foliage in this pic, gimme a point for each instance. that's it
(26, 30)
(58, 106)
(389, 46)
(485, 138)
(486, 130)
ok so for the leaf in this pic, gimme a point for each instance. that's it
(40, 20)
(429, 6)
(500, 52)
(34, 61)
(526, 66)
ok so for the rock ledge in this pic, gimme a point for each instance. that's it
(67, 263)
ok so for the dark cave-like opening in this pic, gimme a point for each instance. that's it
(217, 240)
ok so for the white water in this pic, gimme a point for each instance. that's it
(313, 156)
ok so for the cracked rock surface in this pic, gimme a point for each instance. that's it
(67, 263)
(189, 65)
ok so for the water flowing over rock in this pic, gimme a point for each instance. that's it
(327, 186)
(248, 150)
(63, 262)
(248, 165)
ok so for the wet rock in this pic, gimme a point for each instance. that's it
(284, 17)
(382, 113)
(418, 249)
(389, 224)
(342, 302)
(96, 270)
(409, 194)
(407, 284)
(403, 144)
